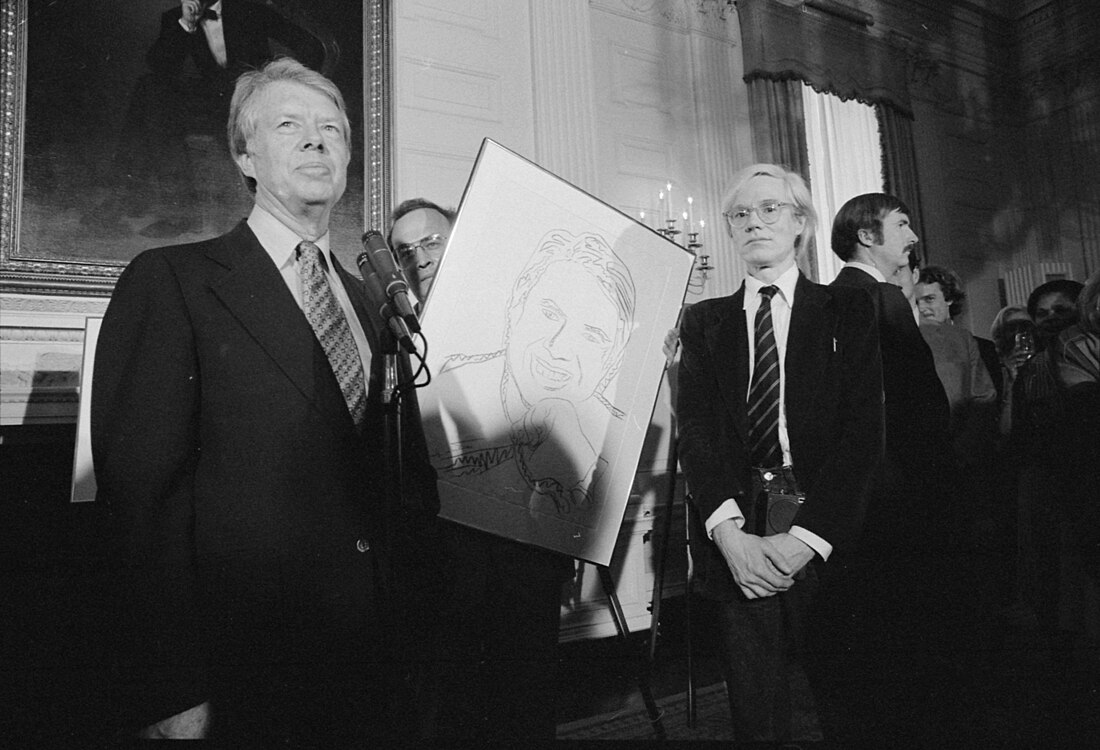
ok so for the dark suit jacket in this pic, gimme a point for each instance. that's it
(248, 28)
(833, 403)
(917, 411)
(251, 516)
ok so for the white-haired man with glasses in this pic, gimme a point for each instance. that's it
(780, 418)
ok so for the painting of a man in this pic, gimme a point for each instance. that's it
(570, 317)
(125, 111)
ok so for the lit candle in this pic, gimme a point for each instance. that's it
(691, 215)
(701, 223)
(668, 213)
(641, 216)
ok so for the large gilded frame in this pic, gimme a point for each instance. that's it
(23, 272)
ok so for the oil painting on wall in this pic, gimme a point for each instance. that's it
(123, 121)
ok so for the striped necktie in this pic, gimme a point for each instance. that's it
(763, 401)
(332, 329)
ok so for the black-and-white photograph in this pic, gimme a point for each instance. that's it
(520, 372)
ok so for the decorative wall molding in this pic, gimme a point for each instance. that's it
(41, 348)
(710, 17)
(55, 306)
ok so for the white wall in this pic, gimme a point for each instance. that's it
(461, 73)
(620, 97)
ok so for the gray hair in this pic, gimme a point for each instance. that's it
(242, 107)
(796, 188)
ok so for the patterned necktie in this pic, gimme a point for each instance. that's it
(332, 330)
(763, 399)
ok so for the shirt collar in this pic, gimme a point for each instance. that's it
(877, 274)
(786, 283)
(279, 240)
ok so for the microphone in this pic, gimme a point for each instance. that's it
(398, 327)
(390, 275)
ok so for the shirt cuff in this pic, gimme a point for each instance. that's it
(816, 543)
(188, 29)
(727, 511)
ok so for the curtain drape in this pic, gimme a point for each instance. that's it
(844, 161)
(779, 137)
(831, 54)
(899, 165)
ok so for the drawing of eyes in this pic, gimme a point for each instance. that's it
(551, 311)
(597, 336)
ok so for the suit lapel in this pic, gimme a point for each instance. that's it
(808, 340)
(728, 342)
(255, 294)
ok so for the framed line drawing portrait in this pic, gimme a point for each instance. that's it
(545, 323)
(114, 126)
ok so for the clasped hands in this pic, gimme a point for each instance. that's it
(761, 566)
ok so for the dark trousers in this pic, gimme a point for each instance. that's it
(497, 655)
(762, 643)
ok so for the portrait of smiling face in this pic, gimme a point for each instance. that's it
(563, 338)
(546, 322)
(550, 387)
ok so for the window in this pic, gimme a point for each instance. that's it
(845, 160)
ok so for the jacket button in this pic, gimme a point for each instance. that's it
(362, 545)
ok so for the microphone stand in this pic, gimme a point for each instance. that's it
(392, 457)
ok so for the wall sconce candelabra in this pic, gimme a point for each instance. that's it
(690, 237)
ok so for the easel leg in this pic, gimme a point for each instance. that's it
(687, 618)
(662, 555)
(621, 626)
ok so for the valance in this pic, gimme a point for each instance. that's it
(833, 55)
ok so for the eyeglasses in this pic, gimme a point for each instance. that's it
(432, 244)
(767, 211)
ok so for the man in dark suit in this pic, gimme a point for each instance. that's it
(825, 436)
(872, 235)
(894, 611)
(181, 103)
(266, 570)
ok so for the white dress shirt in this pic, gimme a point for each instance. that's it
(782, 303)
(867, 269)
(281, 243)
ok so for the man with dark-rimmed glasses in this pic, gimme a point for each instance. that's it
(779, 409)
